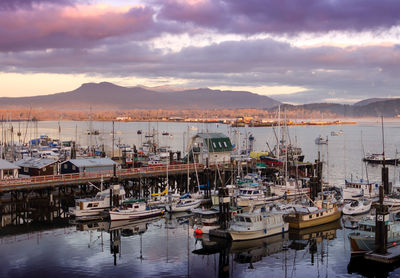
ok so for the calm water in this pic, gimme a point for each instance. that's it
(165, 247)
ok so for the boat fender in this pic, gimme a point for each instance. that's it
(234, 213)
(265, 231)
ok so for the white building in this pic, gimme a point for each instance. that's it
(8, 170)
(214, 147)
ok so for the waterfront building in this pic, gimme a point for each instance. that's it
(83, 165)
(8, 170)
(214, 147)
(37, 166)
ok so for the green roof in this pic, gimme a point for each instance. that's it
(216, 142)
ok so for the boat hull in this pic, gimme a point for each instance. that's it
(175, 208)
(294, 223)
(246, 235)
(120, 215)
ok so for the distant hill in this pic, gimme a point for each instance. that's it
(389, 107)
(369, 101)
(110, 96)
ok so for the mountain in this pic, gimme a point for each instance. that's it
(387, 107)
(369, 101)
(109, 96)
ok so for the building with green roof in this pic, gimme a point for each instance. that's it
(214, 147)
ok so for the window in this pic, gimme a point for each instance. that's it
(310, 216)
(26, 170)
(220, 145)
(65, 166)
(215, 146)
(73, 167)
(225, 144)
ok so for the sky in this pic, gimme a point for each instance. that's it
(295, 51)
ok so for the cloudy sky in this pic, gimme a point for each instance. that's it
(297, 51)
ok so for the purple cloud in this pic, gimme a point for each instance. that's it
(289, 16)
(71, 27)
(28, 4)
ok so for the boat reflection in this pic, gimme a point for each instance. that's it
(243, 252)
(302, 238)
(118, 229)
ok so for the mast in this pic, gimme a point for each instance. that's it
(278, 144)
(113, 140)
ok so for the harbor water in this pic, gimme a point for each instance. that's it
(166, 247)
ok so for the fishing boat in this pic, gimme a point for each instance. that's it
(255, 225)
(305, 217)
(89, 207)
(290, 187)
(321, 141)
(183, 205)
(205, 220)
(363, 239)
(165, 133)
(357, 207)
(134, 209)
(355, 190)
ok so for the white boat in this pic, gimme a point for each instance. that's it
(250, 196)
(90, 207)
(292, 187)
(183, 205)
(356, 190)
(392, 201)
(247, 226)
(134, 209)
(356, 207)
(321, 141)
(205, 220)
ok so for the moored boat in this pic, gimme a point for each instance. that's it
(205, 220)
(134, 209)
(363, 239)
(89, 207)
(247, 226)
(183, 205)
(305, 217)
(357, 207)
(379, 158)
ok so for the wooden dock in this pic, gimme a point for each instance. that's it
(392, 255)
(51, 181)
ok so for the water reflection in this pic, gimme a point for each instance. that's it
(166, 246)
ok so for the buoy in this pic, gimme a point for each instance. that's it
(198, 231)
(394, 243)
